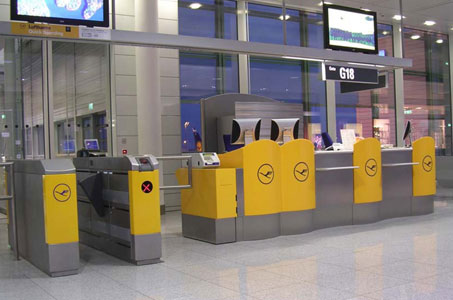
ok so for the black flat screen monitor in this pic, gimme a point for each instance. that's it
(350, 29)
(66, 12)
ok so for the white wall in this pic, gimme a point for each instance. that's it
(125, 91)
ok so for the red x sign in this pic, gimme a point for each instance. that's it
(147, 187)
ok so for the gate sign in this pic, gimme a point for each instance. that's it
(349, 74)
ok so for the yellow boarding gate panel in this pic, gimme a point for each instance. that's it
(368, 177)
(213, 193)
(144, 202)
(261, 162)
(298, 176)
(424, 173)
(60, 209)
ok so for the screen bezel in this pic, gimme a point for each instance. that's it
(92, 140)
(327, 44)
(62, 21)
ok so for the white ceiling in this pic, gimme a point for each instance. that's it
(415, 11)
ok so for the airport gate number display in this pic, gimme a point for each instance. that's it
(349, 74)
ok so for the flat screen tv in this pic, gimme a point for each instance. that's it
(67, 12)
(350, 29)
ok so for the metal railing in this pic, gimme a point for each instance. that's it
(189, 172)
(9, 168)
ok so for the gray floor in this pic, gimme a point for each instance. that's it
(406, 258)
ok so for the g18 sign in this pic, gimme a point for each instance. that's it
(349, 74)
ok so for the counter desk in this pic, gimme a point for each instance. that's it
(264, 190)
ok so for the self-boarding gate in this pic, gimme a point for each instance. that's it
(119, 208)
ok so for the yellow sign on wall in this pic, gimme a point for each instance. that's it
(368, 177)
(60, 209)
(45, 30)
(298, 176)
(424, 173)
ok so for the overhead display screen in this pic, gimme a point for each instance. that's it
(350, 29)
(71, 12)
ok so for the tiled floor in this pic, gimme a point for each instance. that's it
(406, 258)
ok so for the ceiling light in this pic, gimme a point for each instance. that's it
(286, 17)
(325, 2)
(398, 17)
(385, 32)
(440, 41)
(418, 107)
(195, 5)
(366, 9)
(415, 37)
(429, 23)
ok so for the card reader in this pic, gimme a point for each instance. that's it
(204, 160)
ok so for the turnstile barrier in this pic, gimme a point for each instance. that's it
(119, 206)
(46, 207)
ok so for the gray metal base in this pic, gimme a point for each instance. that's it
(365, 213)
(117, 249)
(396, 184)
(422, 205)
(215, 231)
(249, 228)
(296, 222)
(334, 190)
(336, 215)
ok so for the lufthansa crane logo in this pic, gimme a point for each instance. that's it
(62, 192)
(427, 163)
(371, 167)
(265, 174)
(301, 171)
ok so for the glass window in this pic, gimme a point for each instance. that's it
(211, 18)
(427, 87)
(81, 92)
(266, 25)
(21, 99)
(202, 75)
(292, 81)
(370, 113)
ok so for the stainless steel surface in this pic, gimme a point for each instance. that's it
(400, 164)
(135, 38)
(45, 166)
(266, 112)
(396, 184)
(296, 222)
(215, 231)
(337, 168)
(216, 107)
(175, 187)
(334, 190)
(9, 168)
(189, 172)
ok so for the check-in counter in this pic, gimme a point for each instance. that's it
(289, 189)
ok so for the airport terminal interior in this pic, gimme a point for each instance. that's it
(226, 149)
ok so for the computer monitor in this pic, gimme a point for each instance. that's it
(284, 130)
(91, 144)
(407, 132)
(245, 131)
(69, 146)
